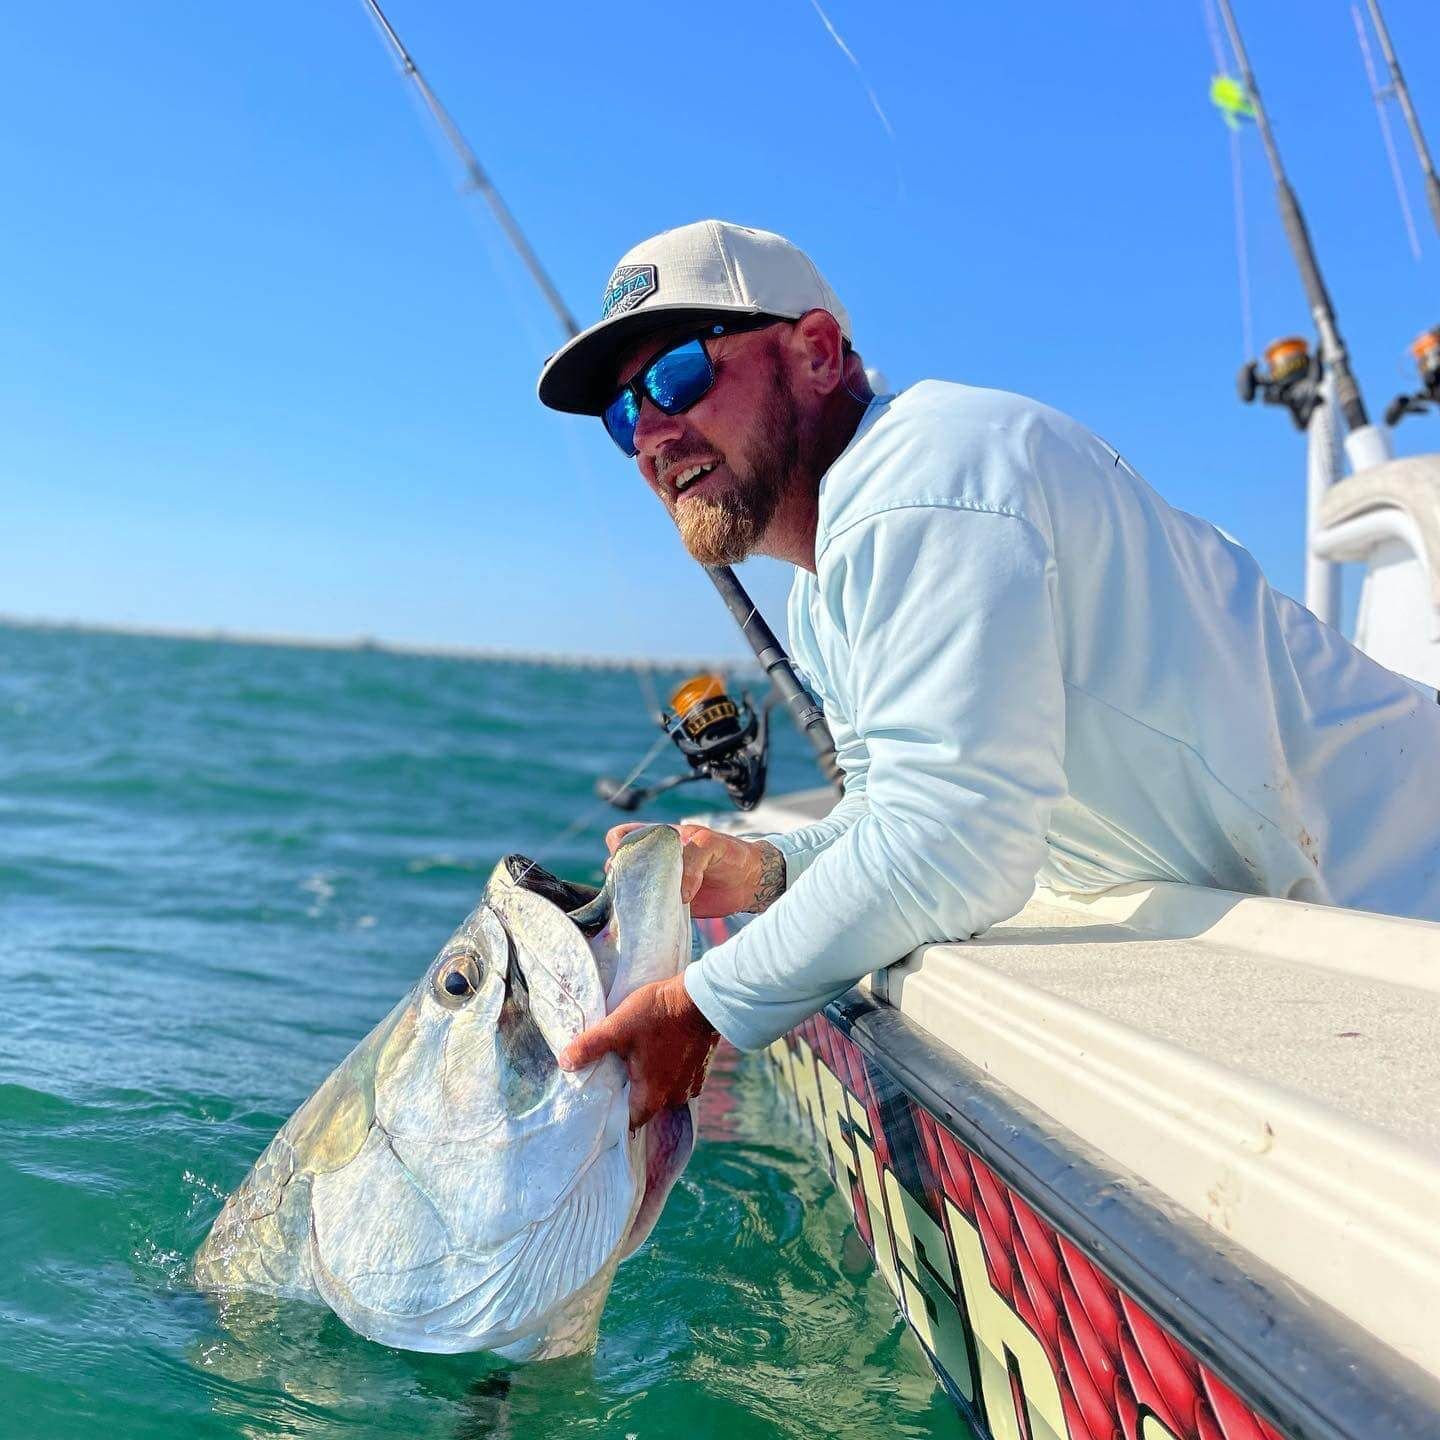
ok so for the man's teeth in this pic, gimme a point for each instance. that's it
(692, 473)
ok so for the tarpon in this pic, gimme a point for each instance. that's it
(449, 1187)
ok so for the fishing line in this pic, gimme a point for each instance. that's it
(875, 105)
(645, 678)
(860, 400)
(1237, 188)
(499, 251)
(443, 148)
(580, 460)
(1242, 247)
(1217, 45)
(1380, 94)
(502, 263)
(586, 817)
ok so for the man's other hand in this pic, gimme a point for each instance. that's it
(663, 1039)
(723, 874)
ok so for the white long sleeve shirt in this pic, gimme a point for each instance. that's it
(1033, 666)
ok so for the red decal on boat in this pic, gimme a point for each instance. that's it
(1114, 1372)
(1235, 1422)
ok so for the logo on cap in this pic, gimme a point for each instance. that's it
(628, 287)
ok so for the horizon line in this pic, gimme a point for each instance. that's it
(220, 635)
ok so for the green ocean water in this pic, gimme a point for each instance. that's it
(219, 865)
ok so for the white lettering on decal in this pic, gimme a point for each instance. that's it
(807, 1090)
(928, 1289)
(874, 1195)
(847, 1168)
(1152, 1429)
(914, 1259)
(1000, 1336)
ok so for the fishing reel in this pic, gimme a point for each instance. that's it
(1290, 377)
(1426, 351)
(720, 740)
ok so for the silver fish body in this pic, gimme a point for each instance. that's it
(449, 1187)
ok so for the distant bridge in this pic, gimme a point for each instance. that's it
(665, 664)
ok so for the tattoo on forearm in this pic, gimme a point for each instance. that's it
(772, 878)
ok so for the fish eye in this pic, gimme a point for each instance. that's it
(456, 981)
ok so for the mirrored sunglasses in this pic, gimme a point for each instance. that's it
(673, 381)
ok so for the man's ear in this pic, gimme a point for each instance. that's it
(820, 352)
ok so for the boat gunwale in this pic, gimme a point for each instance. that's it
(1307, 1368)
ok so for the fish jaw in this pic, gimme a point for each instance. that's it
(557, 966)
(649, 926)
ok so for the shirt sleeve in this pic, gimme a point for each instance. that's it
(802, 847)
(955, 683)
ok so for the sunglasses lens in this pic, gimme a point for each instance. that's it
(622, 415)
(674, 381)
(679, 377)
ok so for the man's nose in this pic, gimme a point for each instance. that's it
(653, 427)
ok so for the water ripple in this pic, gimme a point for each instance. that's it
(219, 866)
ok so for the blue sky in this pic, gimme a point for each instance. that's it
(265, 369)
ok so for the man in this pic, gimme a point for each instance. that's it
(1030, 663)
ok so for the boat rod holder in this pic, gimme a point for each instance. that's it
(1287, 374)
(1426, 352)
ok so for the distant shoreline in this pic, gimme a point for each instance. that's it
(385, 647)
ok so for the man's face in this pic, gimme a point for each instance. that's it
(746, 426)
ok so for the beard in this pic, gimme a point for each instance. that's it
(725, 529)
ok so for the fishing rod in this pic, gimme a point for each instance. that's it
(808, 716)
(1425, 350)
(1365, 444)
(1381, 95)
(1401, 91)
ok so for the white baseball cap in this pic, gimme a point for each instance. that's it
(691, 273)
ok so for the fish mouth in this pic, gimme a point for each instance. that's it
(528, 1071)
(587, 907)
(554, 987)
(636, 928)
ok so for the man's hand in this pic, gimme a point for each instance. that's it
(664, 1040)
(723, 874)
